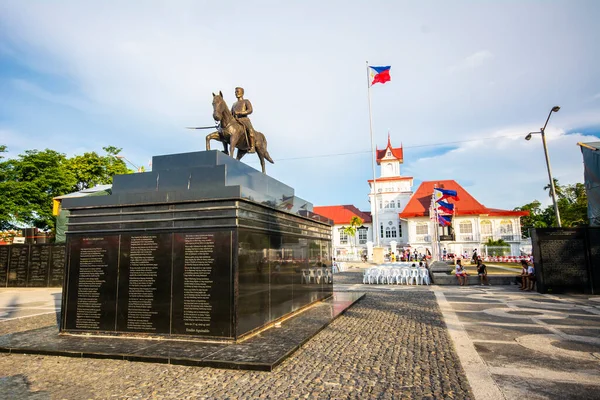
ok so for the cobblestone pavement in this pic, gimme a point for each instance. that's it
(390, 345)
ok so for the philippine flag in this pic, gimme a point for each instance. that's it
(380, 74)
(444, 220)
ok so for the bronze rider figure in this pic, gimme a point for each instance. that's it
(240, 110)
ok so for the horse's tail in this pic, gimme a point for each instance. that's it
(268, 157)
(266, 154)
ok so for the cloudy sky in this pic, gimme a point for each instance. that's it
(469, 80)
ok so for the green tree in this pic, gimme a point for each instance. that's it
(497, 247)
(350, 230)
(572, 206)
(558, 188)
(28, 184)
(537, 218)
(90, 169)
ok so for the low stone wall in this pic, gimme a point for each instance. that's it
(497, 280)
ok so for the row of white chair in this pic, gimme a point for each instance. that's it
(409, 276)
(317, 275)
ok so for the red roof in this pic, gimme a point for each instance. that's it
(342, 214)
(396, 152)
(418, 205)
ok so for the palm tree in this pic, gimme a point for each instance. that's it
(350, 230)
(559, 191)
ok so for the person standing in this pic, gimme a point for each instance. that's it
(240, 110)
(482, 272)
(530, 278)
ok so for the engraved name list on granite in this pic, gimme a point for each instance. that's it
(144, 283)
(94, 284)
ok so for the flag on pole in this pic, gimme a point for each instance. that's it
(380, 74)
(447, 194)
(444, 220)
(445, 207)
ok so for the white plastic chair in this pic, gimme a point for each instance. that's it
(312, 275)
(404, 275)
(414, 276)
(387, 275)
(305, 276)
(366, 276)
(395, 275)
(319, 273)
(424, 275)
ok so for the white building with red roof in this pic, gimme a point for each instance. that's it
(472, 223)
(402, 218)
(343, 245)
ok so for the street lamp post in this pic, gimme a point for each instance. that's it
(138, 169)
(552, 188)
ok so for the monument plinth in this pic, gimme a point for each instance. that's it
(201, 247)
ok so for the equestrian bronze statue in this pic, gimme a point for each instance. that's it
(236, 130)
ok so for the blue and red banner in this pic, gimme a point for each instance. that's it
(445, 207)
(444, 220)
(380, 74)
(447, 194)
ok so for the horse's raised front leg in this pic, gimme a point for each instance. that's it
(212, 136)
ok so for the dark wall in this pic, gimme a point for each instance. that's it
(152, 282)
(567, 260)
(32, 265)
(270, 276)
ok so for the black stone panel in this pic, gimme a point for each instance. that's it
(18, 264)
(57, 265)
(144, 296)
(4, 257)
(594, 253)
(91, 285)
(202, 284)
(39, 265)
(253, 281)
(560, 257)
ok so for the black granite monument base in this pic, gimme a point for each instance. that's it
(203, 246)
(262, 352)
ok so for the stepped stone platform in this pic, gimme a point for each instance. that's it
(261, 352)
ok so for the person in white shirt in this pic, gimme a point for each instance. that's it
(461, 274)
(530, 278)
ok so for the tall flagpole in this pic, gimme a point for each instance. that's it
(376, 225)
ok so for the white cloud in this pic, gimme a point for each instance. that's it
(151, 71)
(473, 61)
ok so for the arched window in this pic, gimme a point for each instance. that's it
(343, 236)
(486, 230)
(387, 204)
(398, 202)
(466, 230)
(392, 204)
(389, 154)
(506, 229)
(393, 231)
(388, 232)
(389, 168)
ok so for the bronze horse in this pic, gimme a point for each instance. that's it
(233, 133)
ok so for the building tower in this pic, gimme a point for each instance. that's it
(393, 193)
